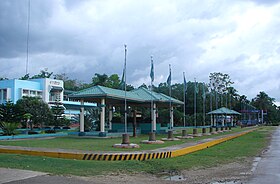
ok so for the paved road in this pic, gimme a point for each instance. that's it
(16, 176)
(268, 168)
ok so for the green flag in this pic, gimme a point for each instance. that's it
(169, 77)
(185, 83)
(152, 75)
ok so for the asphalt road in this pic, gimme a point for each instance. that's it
(268, 168)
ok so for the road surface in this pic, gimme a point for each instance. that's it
(268, 168)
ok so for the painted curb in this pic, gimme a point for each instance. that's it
(123, 156)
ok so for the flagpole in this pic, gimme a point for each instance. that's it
(125, 105)
(152, 104)
(204, 99)
(195, 102)
(184, 99)
(170, 104)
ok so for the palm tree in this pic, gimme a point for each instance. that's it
(263, 101)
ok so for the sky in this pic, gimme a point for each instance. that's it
(83, 37)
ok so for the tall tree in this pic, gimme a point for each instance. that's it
(219, 84)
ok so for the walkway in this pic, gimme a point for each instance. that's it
(268, 168)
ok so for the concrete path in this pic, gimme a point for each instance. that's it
(16, 176)
(9, 175)
(268, 168)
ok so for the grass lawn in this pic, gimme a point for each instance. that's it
(234, 150)
(100, 144)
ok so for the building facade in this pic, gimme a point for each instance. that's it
(49, 90)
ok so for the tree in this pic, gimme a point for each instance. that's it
(9, 118)
(3, 78)
(219, 84)
(263, 102)
(99, 79)
(40, 111)
(69, 84)
(25, 77)
(43, 74)
(58, 111)
(9, 113)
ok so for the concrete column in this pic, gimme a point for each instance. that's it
(154, 123)
(110, 116)
(215, 121)
(231, 123)
(212, 120)
(102, 116)
(82, 113)
(172, 117)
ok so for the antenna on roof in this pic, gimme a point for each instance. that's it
(27, 38)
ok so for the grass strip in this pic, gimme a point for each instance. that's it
(101, 144)
(237, 149)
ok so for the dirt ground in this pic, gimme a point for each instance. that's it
(235, 172)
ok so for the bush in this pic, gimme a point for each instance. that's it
(66, 128)
(32, 132)
(56, 128)
(50, 131)
(9, 128)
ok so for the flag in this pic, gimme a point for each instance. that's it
(185, 83)
(152, 75)
(123, 81)
(169, 77)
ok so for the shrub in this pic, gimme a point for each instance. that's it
(50, 131)
(9, 128)
(32, 132)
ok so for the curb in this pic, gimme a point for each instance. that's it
(123, 156)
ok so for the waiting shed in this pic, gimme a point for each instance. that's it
(108, 97)
(222, 112)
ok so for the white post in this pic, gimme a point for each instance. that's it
(232, 121)
(172, 117)
(82, 112)
(154, 118)
(102, 116)
(215, 120)
(110, 116)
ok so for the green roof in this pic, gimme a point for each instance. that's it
(224, 110)
(137, 95)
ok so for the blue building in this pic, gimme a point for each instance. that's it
(50, 91)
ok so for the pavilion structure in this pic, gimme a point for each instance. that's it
(222, 113)
(108, 97)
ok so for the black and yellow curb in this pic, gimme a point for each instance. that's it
(122, 156)
(128, 156)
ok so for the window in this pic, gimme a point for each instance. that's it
(4, 94)
(54, 96)
(25, 92)
(32, 93)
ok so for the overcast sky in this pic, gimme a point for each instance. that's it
(81, 38)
